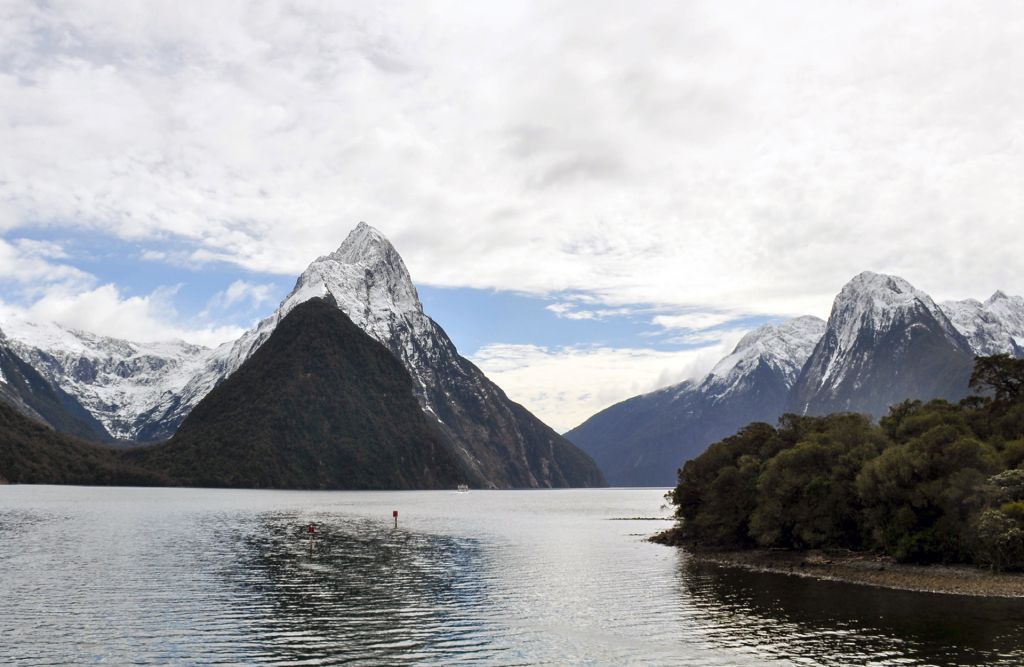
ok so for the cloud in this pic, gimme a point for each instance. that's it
(707, 336)
(570, 311)
(26, 266)
(564, 386)
(105, 311)
(42, 286)
(694, 320)
(739, 156)
(241, 290)
(239, 293)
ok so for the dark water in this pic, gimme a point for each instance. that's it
(92, 575)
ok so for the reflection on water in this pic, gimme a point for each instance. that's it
(834, 623)
(364, 590)
(205, 576)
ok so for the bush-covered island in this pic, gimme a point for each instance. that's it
(931, 483)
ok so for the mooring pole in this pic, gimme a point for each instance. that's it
(394, 514)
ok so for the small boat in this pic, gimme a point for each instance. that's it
(463, 488)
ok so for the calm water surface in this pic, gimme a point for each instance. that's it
(96, 575)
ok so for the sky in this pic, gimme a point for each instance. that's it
(594, 198)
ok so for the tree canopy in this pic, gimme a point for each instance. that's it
(931, 482)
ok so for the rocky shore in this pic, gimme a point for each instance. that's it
(872, 570)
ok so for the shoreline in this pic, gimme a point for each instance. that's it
(867, 569)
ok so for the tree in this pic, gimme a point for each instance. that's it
(1001, 375)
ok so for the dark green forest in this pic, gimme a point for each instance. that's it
(933, 482)
(31, 453)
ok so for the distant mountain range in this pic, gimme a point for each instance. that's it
(133, 393)
(884, 342)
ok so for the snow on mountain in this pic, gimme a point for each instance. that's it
(784, 348)
(885, 341)
(993, 327)
(872, 304)
(368, 280)
(370, 283)
(117, 381)
(3, 342)
(642, 440)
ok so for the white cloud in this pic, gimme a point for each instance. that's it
(564, 386)
(697, 159)
(706, 336)
(694, 320)
(744, 156)
(570, 311)
(28, 266)
(105, 311)
(46, 288)
(239, 293)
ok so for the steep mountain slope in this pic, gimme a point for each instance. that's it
(885, 342)
(500, 441)
(643, 440)
(319, 405)
(32, 395)
(31, 453)
(117, 381)
(993, 327)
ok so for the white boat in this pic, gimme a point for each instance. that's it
(463, 488)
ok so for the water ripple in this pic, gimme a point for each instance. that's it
(225, 577)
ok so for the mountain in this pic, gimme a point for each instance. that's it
(885, 341)
(32, 453)
(319, 405)
(499, 441)
(28, 392)
(993, 327)
(643, 440)
(143, 392)
(118, 382)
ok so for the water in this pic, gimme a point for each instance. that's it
(97, 575)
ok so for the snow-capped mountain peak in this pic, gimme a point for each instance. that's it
(367, 278)
(365, 245)
(998, 295)
(784, 347)
(873, 304)
(993, 327)
(877, 298)
(368, 281)
(885, 341)
(117, 381)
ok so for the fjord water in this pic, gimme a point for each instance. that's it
(121, 575)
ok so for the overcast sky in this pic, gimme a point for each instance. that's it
(646, 180)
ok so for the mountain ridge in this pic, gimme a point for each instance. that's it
(885, 341)
(682, 418)
(320, 405)
(664, 427)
